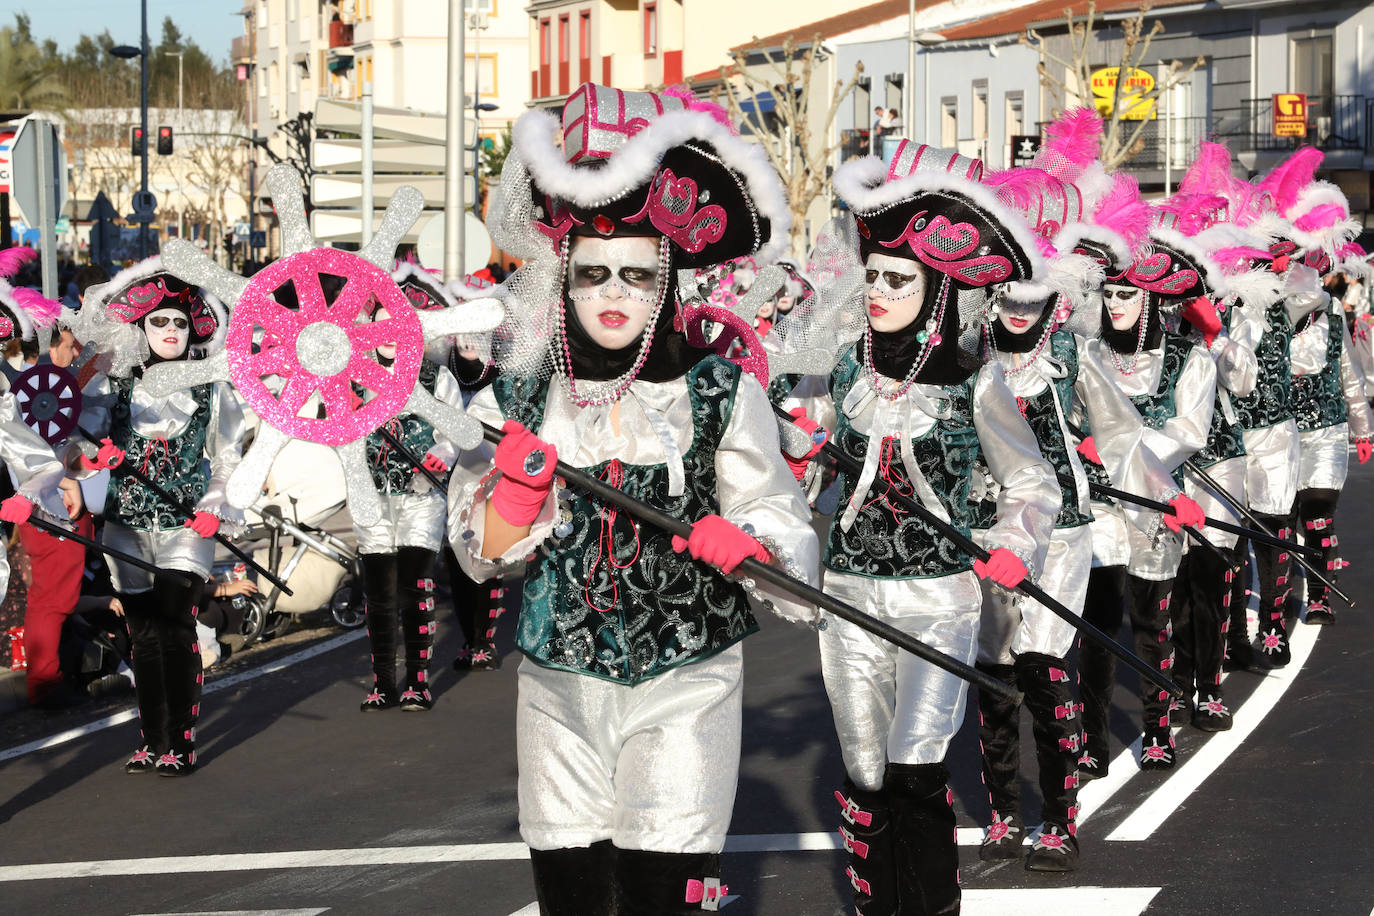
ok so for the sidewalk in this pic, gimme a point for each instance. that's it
(12, 693)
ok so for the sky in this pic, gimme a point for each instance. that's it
(208, 22)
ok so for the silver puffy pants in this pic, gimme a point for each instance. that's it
(1325, 459)
(1013, 624)
(407, 520)
(1272, 464)
(651, 766)
(889, 705)
(170, 548)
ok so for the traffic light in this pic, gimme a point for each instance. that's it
(164, 141)
(136, 141)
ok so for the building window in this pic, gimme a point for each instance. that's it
(563, 39)
(650, 29)
(1312, 70)
(545, 55)
(486, 72)
(1016, 114)
(479, 6)
(949, 122)
(584, 46)
(980, 110)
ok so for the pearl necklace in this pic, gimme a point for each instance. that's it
(929, 339)
(608, 392)
(1121, 366)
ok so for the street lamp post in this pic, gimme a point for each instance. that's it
(126, 52)
(180, 98)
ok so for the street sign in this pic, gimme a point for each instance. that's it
(389, 123)
(6, 144)
(387, 156)
(1023, 149)
(344, 226)
(1290, 114)
(145, 202)
(26, 168)
(346, 190)
(40, 188)
(101, 208)
(1137, 83)
(240, 230)
(257, 238)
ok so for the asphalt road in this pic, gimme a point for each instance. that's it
(304, 805)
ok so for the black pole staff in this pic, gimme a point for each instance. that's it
(1240, 509)
(776, 577)
(58, 531)
(410, 456)
(1262, 536)
(126, 468)
(1027, 587)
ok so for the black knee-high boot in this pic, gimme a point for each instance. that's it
(666, 883)
(183, 676)
(576, 881)
(1185, 603)
(145, 658)
(1273, 565)
(1102, 607)
(1239, 656)
(1044, 679)
(999, 737)
(927, 848)
(867, 829)
(379, 587)
(1200, 609)
(1317, 522)
(1147, 602)
(415, 594)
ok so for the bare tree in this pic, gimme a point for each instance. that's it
(1121, 137)
(799, 144)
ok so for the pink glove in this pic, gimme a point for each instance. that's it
(1186, 514)
(1088, 449)
(1002, 566)
(1363, 450)
(810, 427)
(1202, 314)
(720, 543)
(110, 456)
(526, 463)
(435, 464)
(203, 524)
(16, 509)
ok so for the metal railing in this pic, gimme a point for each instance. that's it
(855, 143)
(1334, 122)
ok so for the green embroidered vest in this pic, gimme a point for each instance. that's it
(391, 471)
(1318, 401)
(1271, 402)
(175, 464)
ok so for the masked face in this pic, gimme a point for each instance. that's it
(168, 332)
(1124, 304)
(613, 285)
(386, 350)
(896, 291)
(1019, 317)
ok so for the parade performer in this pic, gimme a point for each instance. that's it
(1021, 642)
(1328, 389)
(476, 605)
(398, 551)
(142, 317)
(1173, 385)
(41, 484)
(912, 404)
(628, 717)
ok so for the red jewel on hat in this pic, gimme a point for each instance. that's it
(863, 227)
(603, 224)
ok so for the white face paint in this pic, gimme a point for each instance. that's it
(1019, 317)
(1124, 304)
(168, 331)
(613, 285)
(386, 350)
(896, 291)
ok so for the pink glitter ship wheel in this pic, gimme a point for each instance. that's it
(323, 347)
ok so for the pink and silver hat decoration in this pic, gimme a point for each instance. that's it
(22, 310)
(300, 339)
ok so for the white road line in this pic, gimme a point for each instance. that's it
(1205, 760)
(214, 686)
(1102, 901)
(310, 912)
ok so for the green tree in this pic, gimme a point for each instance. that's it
(29, 75)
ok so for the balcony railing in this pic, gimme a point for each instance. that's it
(855, 143)
(1336, 122)
(240, 51)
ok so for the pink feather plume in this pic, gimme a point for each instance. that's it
(693, 103)
(1075, 135)
(1235, 258)
(1195, 212)
(1351, 250)
(11, 259)
(1123, 211)
(42, 311)
(1019, 187)
(1210, 172)
(1320, 217)
(1289, 177)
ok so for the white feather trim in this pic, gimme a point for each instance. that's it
(862, 184)
(434, 284)
(26, 330)
(638, 159)
(1257, 288)
(1068, 238)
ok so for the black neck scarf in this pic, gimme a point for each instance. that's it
(1125, 342)
(895, 352)
(1007, 342)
